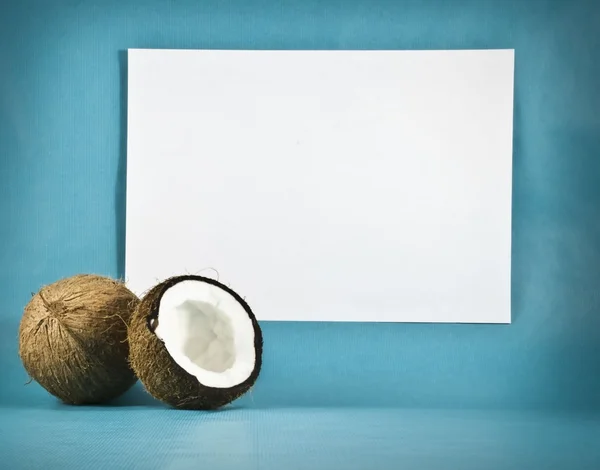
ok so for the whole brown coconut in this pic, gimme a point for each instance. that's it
(195, 343)
(73, 339)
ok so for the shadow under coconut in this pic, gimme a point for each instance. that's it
(135, 396)
(31, 395)
(138, 397)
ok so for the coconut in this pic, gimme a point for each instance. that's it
(73, 339)
(195, 343)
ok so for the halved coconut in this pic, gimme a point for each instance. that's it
(195, 343)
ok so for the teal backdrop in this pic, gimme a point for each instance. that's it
(63, 107)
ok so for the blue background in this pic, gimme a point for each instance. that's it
(62, 186)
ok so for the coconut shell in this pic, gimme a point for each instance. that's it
(162, 377)
(73, 339)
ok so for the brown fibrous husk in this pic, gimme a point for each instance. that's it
(162, 377)
(73, 338)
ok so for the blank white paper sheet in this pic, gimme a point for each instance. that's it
(325, 185)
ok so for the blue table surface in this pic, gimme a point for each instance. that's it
(147, 435)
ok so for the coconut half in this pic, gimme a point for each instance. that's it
(195, 343)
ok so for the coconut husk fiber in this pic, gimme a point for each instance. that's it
(162, 377)
(73, 339)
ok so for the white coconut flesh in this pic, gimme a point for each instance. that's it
(207, 332)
